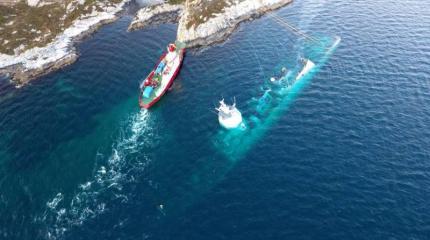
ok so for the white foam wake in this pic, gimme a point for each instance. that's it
(112, 173)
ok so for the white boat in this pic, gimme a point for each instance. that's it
(228, 115)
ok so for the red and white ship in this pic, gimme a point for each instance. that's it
(161, 77)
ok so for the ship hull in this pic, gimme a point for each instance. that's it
(165, 85)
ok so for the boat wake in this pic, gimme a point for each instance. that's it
(111, 174)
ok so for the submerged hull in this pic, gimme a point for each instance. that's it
(271, 104)
(166, 82)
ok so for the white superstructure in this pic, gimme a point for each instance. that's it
(228, 115)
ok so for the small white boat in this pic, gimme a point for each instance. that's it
(228, 115)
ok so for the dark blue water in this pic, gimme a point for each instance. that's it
(348, 158)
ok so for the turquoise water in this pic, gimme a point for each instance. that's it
(275, 96)
(344, 157)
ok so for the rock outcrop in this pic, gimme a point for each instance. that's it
(31, 63)
(218, 26)
(201, 22)
(21, 75)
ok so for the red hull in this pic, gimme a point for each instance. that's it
(155, 100)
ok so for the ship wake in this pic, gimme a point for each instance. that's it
(111, 173)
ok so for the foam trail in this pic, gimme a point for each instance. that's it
(94, 196)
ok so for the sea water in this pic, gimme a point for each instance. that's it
(345, 158)
(275, 96)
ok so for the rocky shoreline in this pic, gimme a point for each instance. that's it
(212, 29)
(21, 75)
(217, 29)
(38, 61)
(207, 30)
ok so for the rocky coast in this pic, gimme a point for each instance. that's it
(24, 65)
(200, 23)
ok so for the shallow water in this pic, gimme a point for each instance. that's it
(348, 158)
